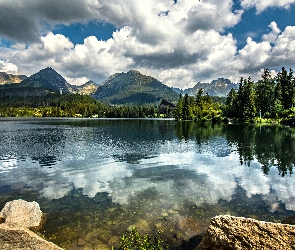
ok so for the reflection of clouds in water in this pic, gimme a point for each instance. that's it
(55, 190)
(97, 178)
(122, 191)
(283, 189)
(91, 178)
(254, 181)
(212, 178)
(204, 182)
(178, 176)
(6, 165)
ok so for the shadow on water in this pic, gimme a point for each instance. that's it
(189, 244)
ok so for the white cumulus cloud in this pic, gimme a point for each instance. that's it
(262, 5)
(179, 43)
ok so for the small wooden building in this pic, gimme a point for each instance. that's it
(164, 106)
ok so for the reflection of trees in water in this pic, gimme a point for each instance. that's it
(270, 145)
(201, 132)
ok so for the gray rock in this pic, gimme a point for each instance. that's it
(228, 232)
(18, 217)
(13, 238)
(21, 213)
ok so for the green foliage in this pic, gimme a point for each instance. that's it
(70, 105)
(267, 98)
(133, 240)
(272, 146)
(202, 108)
(265, 95)
(178, 111)
(230, 108)
(285, 88)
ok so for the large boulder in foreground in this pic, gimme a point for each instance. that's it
(19, 216)
(14, 238)
(228, 232)
(21, 213)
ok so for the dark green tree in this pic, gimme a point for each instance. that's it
(178, 111)
(243, 106)
(230, 109)
(265, 94)
(199, 96)
(249, 99)
(239, 103)
(185, 108)
(285, 88)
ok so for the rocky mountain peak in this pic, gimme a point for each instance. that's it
(133, 88)
(47, 78)
(87, 88)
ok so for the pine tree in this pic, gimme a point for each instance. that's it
(249, 99)
(285, 88)
(185, 110)
(179, 108)
(245, 102)
(230, 104)
(265, 94)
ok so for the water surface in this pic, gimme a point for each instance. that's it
(96, 178)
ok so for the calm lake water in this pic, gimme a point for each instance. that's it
(96, 178)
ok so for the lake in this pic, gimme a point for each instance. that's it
(96, 178)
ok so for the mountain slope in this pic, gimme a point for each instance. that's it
(48, 79)
(87, 88)
(10, 78)
(219, 87)
(133, 88)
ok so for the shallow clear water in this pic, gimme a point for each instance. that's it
(96, 178)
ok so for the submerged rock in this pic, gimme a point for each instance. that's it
(188, 227)
(228, 232)
(21, 213)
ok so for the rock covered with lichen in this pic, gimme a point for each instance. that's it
(16, 218)
(228, 232)
(22, 213)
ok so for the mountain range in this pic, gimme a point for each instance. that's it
(220, 87)
(87, 88)
(131, 88)
(134, 88)
(10, 78)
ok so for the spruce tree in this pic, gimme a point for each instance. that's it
(178, 111)
(265, 94)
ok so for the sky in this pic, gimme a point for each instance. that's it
(179, 42)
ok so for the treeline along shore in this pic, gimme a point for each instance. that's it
(72, 105)
(270, 98)
(267, 99)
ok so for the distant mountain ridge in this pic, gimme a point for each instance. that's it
(87, 88)
(10, 78)
(134, 88)
(220, 87)
(131, 88)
